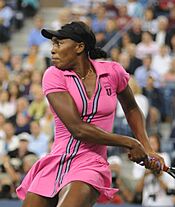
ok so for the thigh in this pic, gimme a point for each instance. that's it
(33, 199)
(78, 194)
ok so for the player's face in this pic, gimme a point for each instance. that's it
(64, 53)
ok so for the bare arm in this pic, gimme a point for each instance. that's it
(65, 108)
(136, 121)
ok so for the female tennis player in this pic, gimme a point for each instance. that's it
(83, 94)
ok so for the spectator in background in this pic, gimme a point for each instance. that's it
(38, 141)
(30, 7)
(9, 142)
(81, 4)
(124, 60)
(33, 61)
(111, 9)
(25, 83)
(5, 187)
(100, 38)
(134, 61)
(16, 65)
(7, 107)
(115, 167)
(122, 19)
(6, 56)
(35, 37)
(14, 91)
(169, 92)
(114, 54)
(38, 106)
(49, 147)
(99, 21)
(163, 7)
(126, 192)
(144, 71)
(141, 100)
(36, 77)
(153, 94)
(121, 126)
(4, 33)
(147, 46)
(149, 23)
(156, 186)
(161, 61)
(22, 123)
(111, 29)
(135, 32)
(4, 76)
(135, 8)
(64, 16)
(161, 37)
(19, 153)
(6, 14)
(47, 123)
(13, 161)
(154, 121)
(16, 168)
(21, 107)
(28, 162)
(124, 42)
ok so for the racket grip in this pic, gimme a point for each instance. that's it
(165, 168)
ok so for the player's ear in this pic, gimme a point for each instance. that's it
(80, 47)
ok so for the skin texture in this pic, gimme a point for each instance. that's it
(78, 193)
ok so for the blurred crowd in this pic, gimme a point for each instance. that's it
(13, 14)
(146, 49)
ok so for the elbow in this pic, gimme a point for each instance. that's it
(79, 132)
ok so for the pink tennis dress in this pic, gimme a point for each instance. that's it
(72, 159)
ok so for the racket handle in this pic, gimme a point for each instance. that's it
(165, 168)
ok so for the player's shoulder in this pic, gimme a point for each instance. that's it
(109, 63)
(52, 73)
(110, 66)
(52, 70)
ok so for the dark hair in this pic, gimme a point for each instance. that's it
(97, 53)
(88, 37)
(79, 32)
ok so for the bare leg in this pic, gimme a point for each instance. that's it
(77, 194)
(33, 199)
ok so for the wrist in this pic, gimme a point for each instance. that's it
(134, 143)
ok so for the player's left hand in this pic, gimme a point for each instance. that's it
(155, 162)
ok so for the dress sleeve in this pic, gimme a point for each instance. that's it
(120, 77)
(53, 81)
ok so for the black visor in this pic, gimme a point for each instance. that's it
(61, 34)
(77, 31)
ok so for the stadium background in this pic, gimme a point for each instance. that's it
(137, 34)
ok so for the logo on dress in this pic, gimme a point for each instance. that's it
(108, 91)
